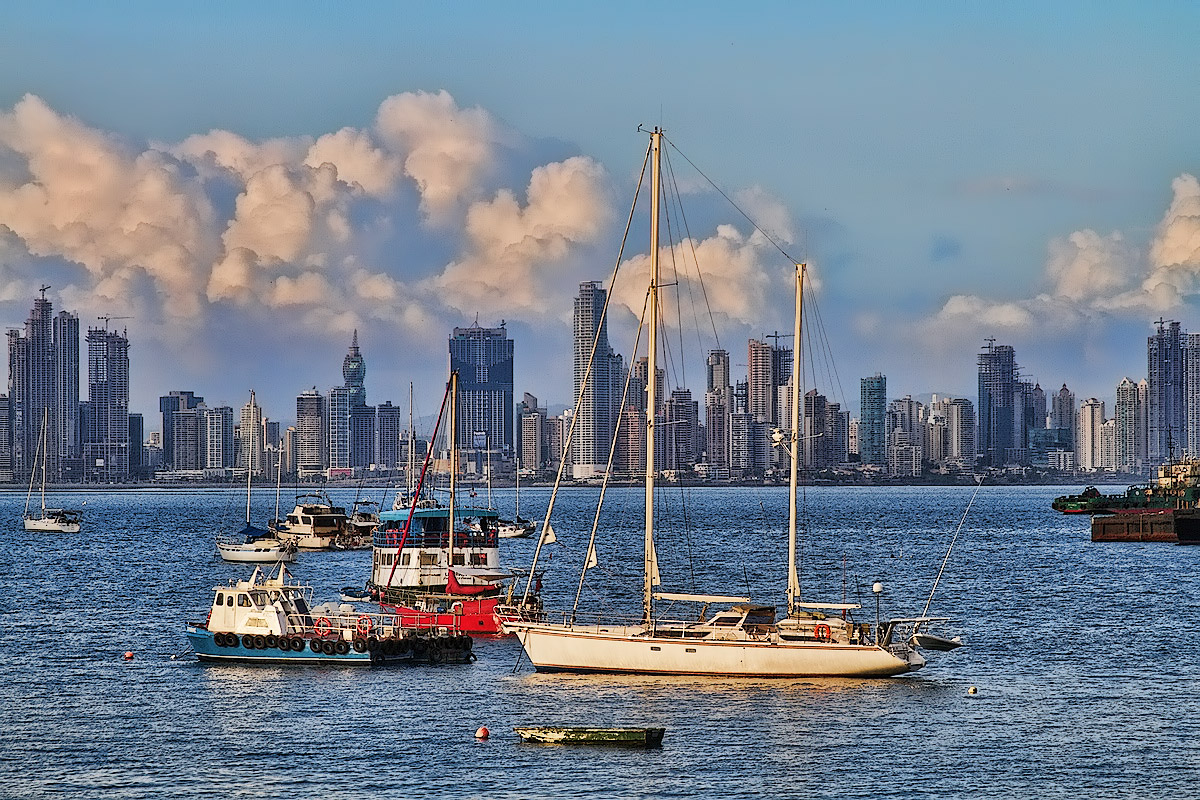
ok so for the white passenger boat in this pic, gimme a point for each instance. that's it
(746, 638)
(268, 618)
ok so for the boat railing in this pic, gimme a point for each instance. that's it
(433, 539)
(348, 625)
(599, 619)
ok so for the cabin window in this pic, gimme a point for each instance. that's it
(726, 622)
(478, 559)
(429, 559)
(220, 599)
(306, 520)
(404, 559)
(656, 649)
(244, 600)
(689, 649)
(293, 519)
(459, 560)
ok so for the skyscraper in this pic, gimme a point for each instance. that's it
(43, 383)
(168, 406)
(761, 398)
(997, 390)
(483, 359)
(1129, 431)
(106, 442)
(393, 429)
(360, 417)
(599, 398)
(250, 437)
(872, 426)
(310, 433)
(718, 405)
(338, 416)
(220, 447)
(1091, 418)
(1166, 413)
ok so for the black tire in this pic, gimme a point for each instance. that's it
(272, 641)
(327, 648)
(248, 641)
(219, 639)
(297, 644)
(260, 641)
(360, 645)
(376, 657)
(434, 654)
(372, 644)
(341, 648)
(315, 646)
(283, 643)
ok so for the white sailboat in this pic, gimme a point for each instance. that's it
(744, 639)
(48, 520)
(254, 545)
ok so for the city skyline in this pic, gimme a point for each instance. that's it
(951, 174)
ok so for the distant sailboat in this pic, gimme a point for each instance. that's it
(48, 520)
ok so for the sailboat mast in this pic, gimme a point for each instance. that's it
(652, 374)
(412, 464)
(249, 457)
(793, 590)
(453, 457)
(45, 455)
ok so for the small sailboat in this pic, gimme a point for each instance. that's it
(251, 544)
(47, 520)
(518, 527)
(744, 639)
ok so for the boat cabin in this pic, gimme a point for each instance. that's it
(260, 607)
(419, 554)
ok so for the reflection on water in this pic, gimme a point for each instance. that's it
(1085, 657)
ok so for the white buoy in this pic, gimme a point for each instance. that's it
(972, 690)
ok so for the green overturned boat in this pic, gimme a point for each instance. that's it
(620, 737)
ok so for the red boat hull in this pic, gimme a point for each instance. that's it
(475, 616)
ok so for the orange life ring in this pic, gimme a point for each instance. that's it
(822, 632)
(323, 622)
(364, 625)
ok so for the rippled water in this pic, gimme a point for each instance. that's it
(1085, 657)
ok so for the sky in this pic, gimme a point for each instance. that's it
(248, 184)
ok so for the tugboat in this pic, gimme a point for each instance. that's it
(269, 619)
(1167, 510)
(431, 569)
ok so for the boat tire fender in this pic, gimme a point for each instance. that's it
(372, 643)
(341, 648)
(283, 643)
(315, 646)
(327, 648)
(272, 641)
(360, 645)
(297, 644)
(248, 641)
(260, 642)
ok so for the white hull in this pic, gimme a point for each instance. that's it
(256, 553)
(630, 649)
(50, 525)
(308, 541)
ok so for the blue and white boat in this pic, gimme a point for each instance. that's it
(269, 619)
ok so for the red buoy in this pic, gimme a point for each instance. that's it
(129, 655)
(483, 732)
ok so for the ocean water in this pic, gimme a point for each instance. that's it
(1085, 657)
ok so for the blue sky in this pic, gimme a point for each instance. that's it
(953, 171)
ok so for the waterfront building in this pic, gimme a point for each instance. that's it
(1063, 414)
(168, 406)
(852, 446)
(1108, 445)
(289, 450)
(106, 440)
(6, 464)
(393, 433)
(311, 434)
(338, 415)
(483, 359)
(768, 368)
(749, 446)
(43, 383)
(997, 389)
(872, 425)
(1166, 411)
(220, 445)
(1091, 419)
(718, 405)
(598, 401)
(137, 433)
(1129, 428)
(682, 437)
(250, 437)
(357, 425)
(187, 437)
(629, 460)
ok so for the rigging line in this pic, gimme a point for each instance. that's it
(586, 375)
(827, 350)
(682, 376)
(946, 558)
(612, 449)
(728, 199)
(678, 200)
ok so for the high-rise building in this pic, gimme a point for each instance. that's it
(1091, 418)
(311, 433)
(997, 390)
(6, 464)
(137, 430)
(187, 438)
(359, 420)
(872, 425)
(718, 405)
(958, 448)
(483, 359)
(250, 437)
(106, 441)
(393, 430)
(682, 433)
(1062, 412)
(338, 416)
(762, 383)
(43, 386)
(1166, 411)
(599, 397)
(1129, 430)
(168, 406)
(220, 447)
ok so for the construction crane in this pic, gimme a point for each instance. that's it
(107, 317)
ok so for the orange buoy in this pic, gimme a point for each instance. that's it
(129, 655)
(483, 732)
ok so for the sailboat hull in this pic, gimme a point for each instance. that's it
(631, 650)
(50, 525)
